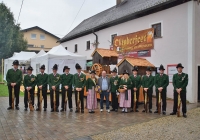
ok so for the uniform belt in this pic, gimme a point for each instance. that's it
(104, 90)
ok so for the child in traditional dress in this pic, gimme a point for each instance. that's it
(125, 97)
(91, 93)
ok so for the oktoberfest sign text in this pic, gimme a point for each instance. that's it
(142, 40)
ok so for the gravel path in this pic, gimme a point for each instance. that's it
(165, 128)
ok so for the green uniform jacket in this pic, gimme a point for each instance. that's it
(128, 83)
(180, 81)
(161, 81)
(79, 82)
(13, 76)
(89, 84)
(148, 82)
(54, 81)
(30, 81)
(42, 80)
(66, 80)
(136, 81)
(114, 83)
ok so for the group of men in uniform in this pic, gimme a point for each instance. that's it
(77, 81)
(161, 81)
(42, 80)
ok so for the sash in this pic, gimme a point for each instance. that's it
(126, 95)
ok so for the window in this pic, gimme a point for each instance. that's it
(42, 46)
(30, 45)
(33, 36)
(65, 48)
(112, 38)
(42, 37)
(157, 30)
(76, 48)
(88, 45)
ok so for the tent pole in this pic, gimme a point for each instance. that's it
(2, 70)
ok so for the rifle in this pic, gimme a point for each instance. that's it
(40, 107)
(54, 100)
(179, 105)
(78, 101)
(13, 98)
(135, 100)
(145, 102)
(159, 103)
(66, 99)
(30, 102)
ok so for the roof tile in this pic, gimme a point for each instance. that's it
(113, 14)
(136, 62)
(105, 52)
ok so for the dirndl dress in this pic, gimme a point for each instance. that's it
(92, 99)
(123, 102)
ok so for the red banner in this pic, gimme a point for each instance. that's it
(145, 53)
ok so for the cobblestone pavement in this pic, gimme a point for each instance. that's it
(165, 128)
(15, 125)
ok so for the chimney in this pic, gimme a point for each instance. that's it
(119, 1)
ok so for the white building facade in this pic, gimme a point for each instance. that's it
(179, 41)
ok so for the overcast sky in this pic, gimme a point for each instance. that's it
(55, 16)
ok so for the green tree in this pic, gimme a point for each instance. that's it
(11, 38)
(18, 42)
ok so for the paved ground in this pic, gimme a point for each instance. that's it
(165, 128)
(66, 125)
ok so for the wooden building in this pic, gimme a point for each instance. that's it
(104, 56)
(129, 62)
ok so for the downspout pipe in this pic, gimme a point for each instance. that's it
(96, 38)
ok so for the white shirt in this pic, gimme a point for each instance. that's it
(79, 74)
(66, 73)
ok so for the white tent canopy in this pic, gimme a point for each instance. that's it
(58, 55)
(22, 57)
(42, 52)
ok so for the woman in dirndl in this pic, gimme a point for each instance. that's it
(125, 96)
(91, 93)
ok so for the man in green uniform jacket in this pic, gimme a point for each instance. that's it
(180, 82)
(114, 86)
(79, 80)
(161, 82)
(147, 84)
(14, 78)
(42, 80)
(136, 84)
(66, 87)
(29, 86)
(54, 81)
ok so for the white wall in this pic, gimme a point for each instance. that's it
(172, 48)
(197, 33)
(81, 42)
(191, 51)
(197, 47)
